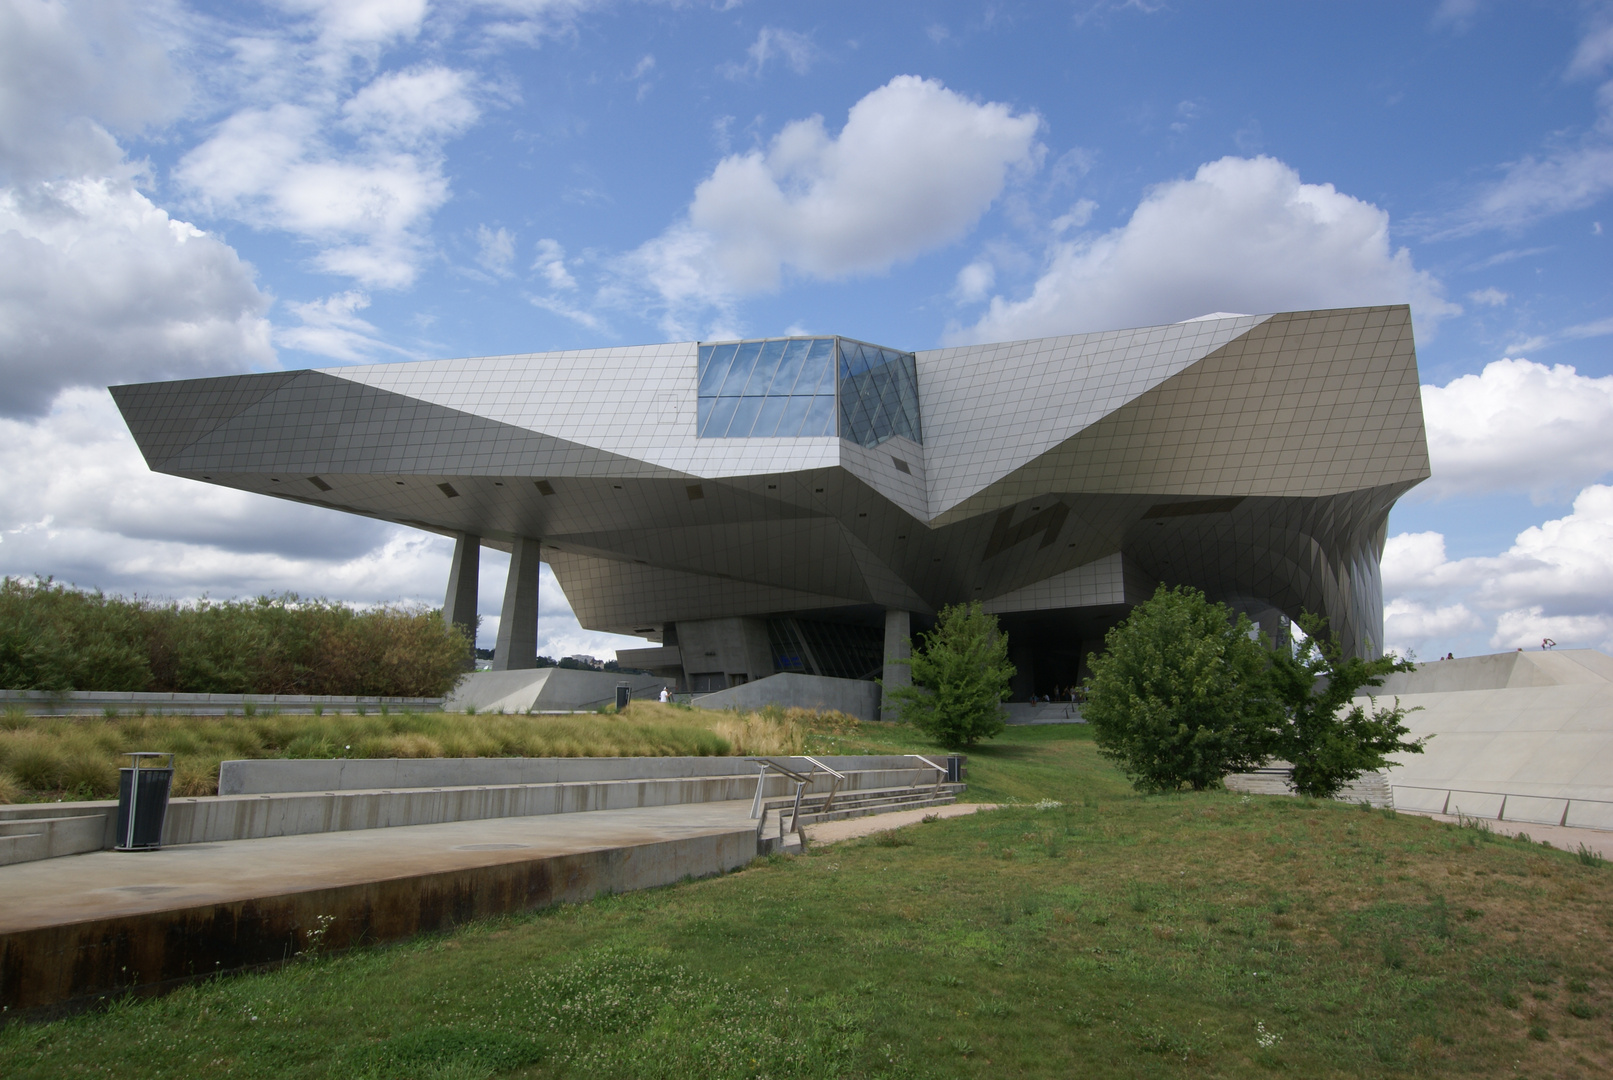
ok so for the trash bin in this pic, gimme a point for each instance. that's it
(143, 801)
(956, 768)
(624, 693)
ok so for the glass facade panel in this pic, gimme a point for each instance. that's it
(767, 420)
(820, 418)
(795, 411)
(744, 417)
(761, 381)
(789, 369)
(807, 388)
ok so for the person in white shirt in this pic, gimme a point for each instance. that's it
(665, 697)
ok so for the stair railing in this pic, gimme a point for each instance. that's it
(801, 780)
(840, 778)
(940, 773)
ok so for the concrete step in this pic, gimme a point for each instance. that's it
(49, 837)
(777, 813)
(1370, 788)
(790, 841)
(22, 847)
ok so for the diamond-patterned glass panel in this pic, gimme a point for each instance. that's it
(780, 387)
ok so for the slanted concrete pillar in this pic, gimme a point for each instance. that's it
(517, 647)
(459, 607)
(898, 632)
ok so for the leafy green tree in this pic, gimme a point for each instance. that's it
(1312, 686)
(1180, 695)
(961, 678)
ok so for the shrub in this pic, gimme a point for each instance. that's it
(1180, 696)
(961, 678)
(56, 638)
(1330, 740)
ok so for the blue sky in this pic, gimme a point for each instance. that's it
(191, 190)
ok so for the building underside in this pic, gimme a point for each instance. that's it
(806, 504)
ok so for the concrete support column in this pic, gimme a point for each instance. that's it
(898, 646)
(517, 647)
(459, 607)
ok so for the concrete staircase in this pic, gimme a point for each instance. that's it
(1372, 787)
(48, 830)
(778, 828)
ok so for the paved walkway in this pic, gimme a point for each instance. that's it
(827, 832)
(111, 884)
(1558, 836)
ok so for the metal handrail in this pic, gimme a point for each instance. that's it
(940, 773)
(834, 788)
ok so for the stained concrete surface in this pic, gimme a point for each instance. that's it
(79, 928)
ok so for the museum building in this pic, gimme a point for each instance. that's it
(807, 503)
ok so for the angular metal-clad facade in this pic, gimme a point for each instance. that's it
(796, 486)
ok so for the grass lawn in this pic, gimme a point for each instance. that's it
(1112, 935)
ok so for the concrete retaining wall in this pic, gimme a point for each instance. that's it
(855, 697)
(71, 966)
(287, 798)
(348, 774)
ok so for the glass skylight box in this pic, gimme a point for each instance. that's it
(805, 387)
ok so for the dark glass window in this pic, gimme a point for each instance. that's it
(807, 387)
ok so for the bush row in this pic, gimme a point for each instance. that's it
(56, 638)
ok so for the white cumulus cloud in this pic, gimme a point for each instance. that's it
(365, 206)
(70, 76)
(914, 167)
(1556, 580)
(1518, 426)
(98, 285)
(1243, 234)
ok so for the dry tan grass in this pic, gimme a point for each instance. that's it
(53, 757)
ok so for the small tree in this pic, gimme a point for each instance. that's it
(1180, 696)
(1312, 686)
(961, 678)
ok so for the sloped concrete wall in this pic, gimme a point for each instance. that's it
(855, 697)
(545, 690)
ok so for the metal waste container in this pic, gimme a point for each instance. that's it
(957, 769)
(624, 693)
(143, 801)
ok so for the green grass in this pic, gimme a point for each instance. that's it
(1113, 935)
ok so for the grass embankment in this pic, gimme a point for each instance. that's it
(47, 758)
(1115, 935)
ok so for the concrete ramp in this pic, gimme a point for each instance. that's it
(545, 690)
(1520, 736)
(855, 697)
(1504, 671)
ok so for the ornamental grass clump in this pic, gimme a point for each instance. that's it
(67, 757)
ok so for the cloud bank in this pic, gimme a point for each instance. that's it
(1244, 234)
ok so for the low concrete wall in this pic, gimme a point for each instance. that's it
(855, 697)
(81, 702)
(296, 798)
(350, 774)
